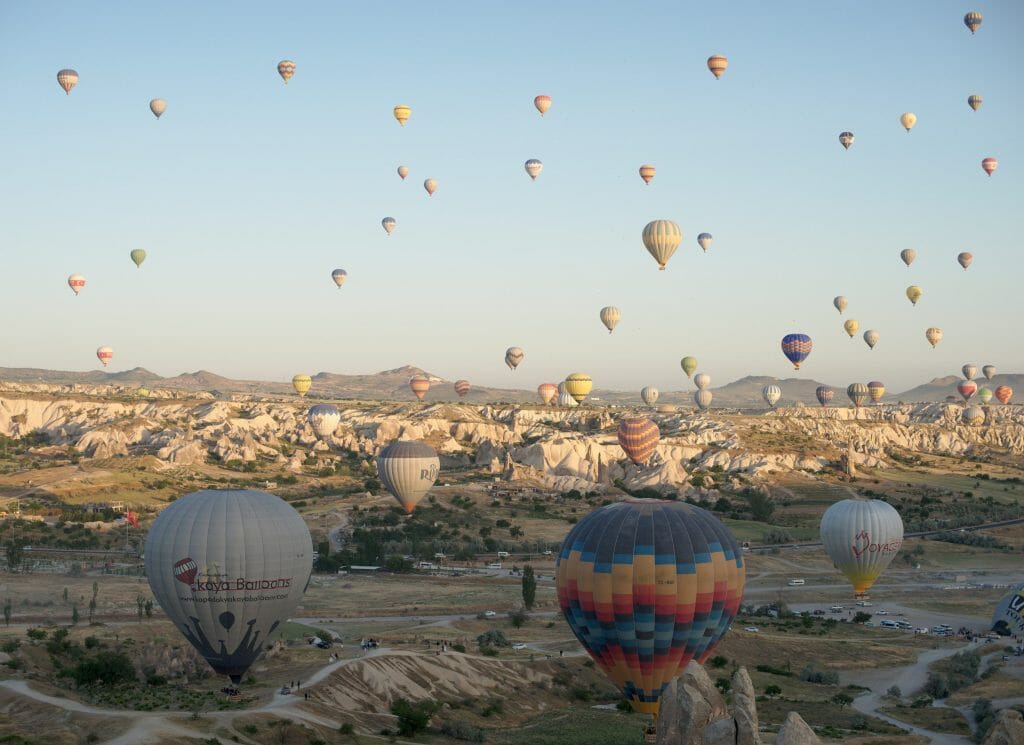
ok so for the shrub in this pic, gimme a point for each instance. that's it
(108, 668)
(413, 717)
(894, 692)
(822, 677)
(347, 728)
(723, 684)
(460, 730)
(718, 661)
(493, 638)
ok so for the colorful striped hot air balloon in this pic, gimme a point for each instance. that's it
(984, 395)
(989, 371)
(970, 371)
(717, 64)
(389, 224)
(703, 398)
(908, 120)
(647, 172)
(661, 239)
(973, 21)
(966, 389)
(914, 294)
(419, 385)
(840, 302)
(158, 106)
(286, 68)
(846, 139)
(431, 186)
(513, 356)
(964, 259)
(973, 415)
(974, 102)
(324, 419)
(689, 364)
(858, 393)
(610, 316)
(704, 240)
(638, 438)
(702, 381)
(871, 338)
(462, 387)
(646, 586)
(547, 391)
(542, 103)
(67, 79)
(989, 165)
(771, 394)
(796, 347)
(908, 255)
(302, 384)
(649, 394)
(137, 256)
(1003, 394)
(403, 171)
(851, 326)
(933, 335)
(825, 394)
(339, 276)
(876, 390)
(578, 385)
(862, 537)
(533, 168)
(105, 355)
(76, 282)
(402, 113)
(408, 468)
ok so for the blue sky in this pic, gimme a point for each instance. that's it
(247, 193)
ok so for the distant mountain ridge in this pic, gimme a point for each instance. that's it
(393, 384)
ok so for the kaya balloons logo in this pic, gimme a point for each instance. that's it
(186, 571)
(862, 545)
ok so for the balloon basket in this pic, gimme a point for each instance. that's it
(650, 733)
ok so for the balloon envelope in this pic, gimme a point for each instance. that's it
(403, 171)
(533, 168)
(462, 388)
(542, 103)
(578, 385)
(973, 416)
(876, 390)
(840, 302)
(76, 282)
(339, 276)
(824, 394)
(914, 294)
(703, 399)
(610, 316)
(970, 371)
(989, 165)
(967, 389)
(984, 394)
(419, 385)
(228, 567)
(871, 338)
(137, 256)
(964, 259)
(286, 68)
(513, 356)
(858, 393)
(402, 113)
(908, 120)
(661, 239)
(67, 79)
(989, 371)
(324, 419)
(649, 394)
(1003, 394)
(547, 391)
(702, 381)
(430, 185)
(717, 64)
(846, 139)
(851, 326)
(105, 355)
(796, 347)
(638, 438)
(408, 468)
(862, 538)
(646, 586)
(689, 364)
(302, 384)
(389, 223)
(973, 20)
(704, 240)
(908, 255)
(158, 106)
(647, 172)
(1008, 619)
(771, 394)
(974, 102)
(933, 335)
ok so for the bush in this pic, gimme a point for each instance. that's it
(459, 730)
(822, 677)
(493, 638)
(894, 692)
(347, 728)
(776, 535)
(774, 670)
(718, 661)
(772, 690)
(10, 646)
(723, 684)
(413, 717)
(110, 668)
(459, 648)
(518, 618)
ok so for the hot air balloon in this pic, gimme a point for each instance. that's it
(228, 568)
(76, 282)
(689, 364)
(846, 139)
(1008, 619)
(973, 416)
(430, 185)
(67, 79)
(908, 255)
(137, 256)
(419, 385)
(704, 240)
(970, 371)
(862, 538)
(914, 294)
(408, 468)
(771, 394)
(703, 398)
(974, 102)
(876, 390)
(339, 276)
(840, 302)
(647, 172)
(966, 389)
(402, 113)
(871, 338)
(702, 381)
(933, 335)
(543, 103)
(984, 395)
(661, 239)
(646, 586)
(964, 259)
(389, 224)
(324, 419)
(851, 326)
(302, 384)
(105, 355)
(403, 171)
(908, 120)
(989, 165)
(610, 316)
(578, 386)
(158, 106)
(513, 356)
(638, 438)
(989, 371)
(1003, 394)
(462, 387)
(796, 347)
(547, 391)
(533, 168)
(825, 394)
(565, 398)
(857, 392)
(286, 68)
(649, 394)
(717, 64)
(972, 20)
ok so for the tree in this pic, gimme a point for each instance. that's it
(413, 717)
(718, 661)
(843, 699)
(15, 554)
(772, 690)
(723, 684)
(65, 595)
(861, 617)
(7, 611)
(518, 618)
(529, 587)
(74, 614)
(140, 605)
(894, 692)
(95, 589)
(148, 607)
(92, 607)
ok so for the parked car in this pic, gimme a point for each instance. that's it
(519, 645)
(752, 629)
(489, 614)
(883, 613)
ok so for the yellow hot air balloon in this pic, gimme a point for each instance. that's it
(934, 336)
(578, 386)
(908, 120)
(717, 64)
(914, 294)
(402, 113)
(851, 327)
(661, 239)
(302, 384)
(647, 172)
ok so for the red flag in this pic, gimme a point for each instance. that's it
(132, 518)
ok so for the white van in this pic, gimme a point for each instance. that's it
(796, 583)
(888, 623)
(503, 554)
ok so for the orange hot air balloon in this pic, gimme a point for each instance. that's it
(647, 172)
(419, 385)
(1003, 394)
(717, 64)
(543, 103)
(638, 438)
(989, 165)
(547, 392)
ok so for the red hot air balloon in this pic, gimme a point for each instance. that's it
(1003, 394)
(989, 165)
(638, 438)
(462, 388)
(967, 388)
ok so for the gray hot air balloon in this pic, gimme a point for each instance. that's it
(702, 398)
(989, 371)
(862, 537)
(771, 394)
(1008, 620)
(871, 338)
(702, 381)
(228, 567)
(650, 395)
(408, 468)
(970, 371)
(324, 419)
(513, 356)
(840, 302)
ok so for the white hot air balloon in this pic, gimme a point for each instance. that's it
(513, 356)
(871, 338)
(970, 371)
(702, 381)
(324, 419)
(158, 106)
(610, 316)
(228, 568)
(840, 302)
(862, 538)
(533, 168)
(403, 171)
(408, 468)
(703, 398)
(339, 276)
(649, 395)
(771, 394)
(565, 398)
(989, 371)
(76, 282)
(389, 224)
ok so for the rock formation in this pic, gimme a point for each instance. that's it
(1008, 729)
